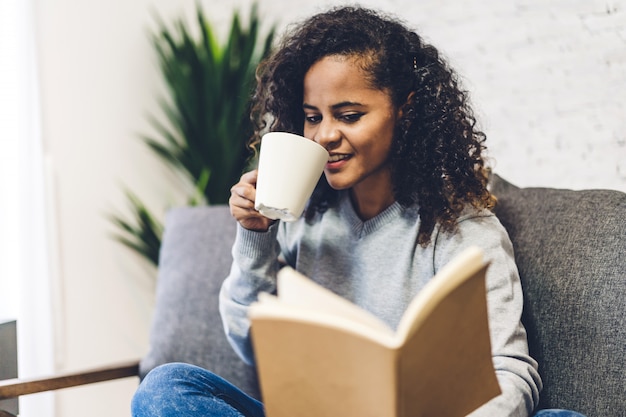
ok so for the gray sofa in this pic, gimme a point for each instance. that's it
(571, 252)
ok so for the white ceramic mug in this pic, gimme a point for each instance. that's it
(289, 168)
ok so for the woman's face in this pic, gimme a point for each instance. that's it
(354, 122)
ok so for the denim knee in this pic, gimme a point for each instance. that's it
(161, 389)
(180, 389)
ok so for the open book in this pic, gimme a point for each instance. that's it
(318, 355)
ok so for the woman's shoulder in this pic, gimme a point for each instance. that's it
(479, 228)
(472, 215)
(475, 226)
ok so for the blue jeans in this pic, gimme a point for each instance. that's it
(183, 390)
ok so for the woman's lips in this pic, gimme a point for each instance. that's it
(337, 160)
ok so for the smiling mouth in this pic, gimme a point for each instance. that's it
(337, 157)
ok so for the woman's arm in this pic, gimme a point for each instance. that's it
(254, 268)
(515, 368)
(255, 264)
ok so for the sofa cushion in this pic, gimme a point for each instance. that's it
(570, 247)
(186, 327)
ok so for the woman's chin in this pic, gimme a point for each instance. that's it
(338, 185)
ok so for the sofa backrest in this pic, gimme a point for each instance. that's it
(570, 247)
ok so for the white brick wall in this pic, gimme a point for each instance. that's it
(547, 77)
(549, 81)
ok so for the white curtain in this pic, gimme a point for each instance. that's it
(25, 267)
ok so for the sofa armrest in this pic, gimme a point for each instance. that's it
(12, 388)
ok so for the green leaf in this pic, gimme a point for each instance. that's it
(143, 233)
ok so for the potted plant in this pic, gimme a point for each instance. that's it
(204, 124)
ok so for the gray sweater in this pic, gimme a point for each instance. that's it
(378, 265)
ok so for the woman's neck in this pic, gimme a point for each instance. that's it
(369, 200)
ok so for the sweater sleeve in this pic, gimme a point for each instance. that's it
(254, 268)
(515, 369)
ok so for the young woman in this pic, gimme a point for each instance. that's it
(403, 192)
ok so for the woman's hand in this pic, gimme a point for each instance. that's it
(241, 202)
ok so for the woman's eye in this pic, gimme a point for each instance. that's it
(351, 117)
(313, 118)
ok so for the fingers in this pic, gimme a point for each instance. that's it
(250, 176)
(243, 193)
(241, 202)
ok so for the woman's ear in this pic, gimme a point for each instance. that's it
(408, 101)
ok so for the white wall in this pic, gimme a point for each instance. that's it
(548, 80)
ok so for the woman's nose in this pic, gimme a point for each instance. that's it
(327, 135)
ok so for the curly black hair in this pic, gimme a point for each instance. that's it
(437, 154)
